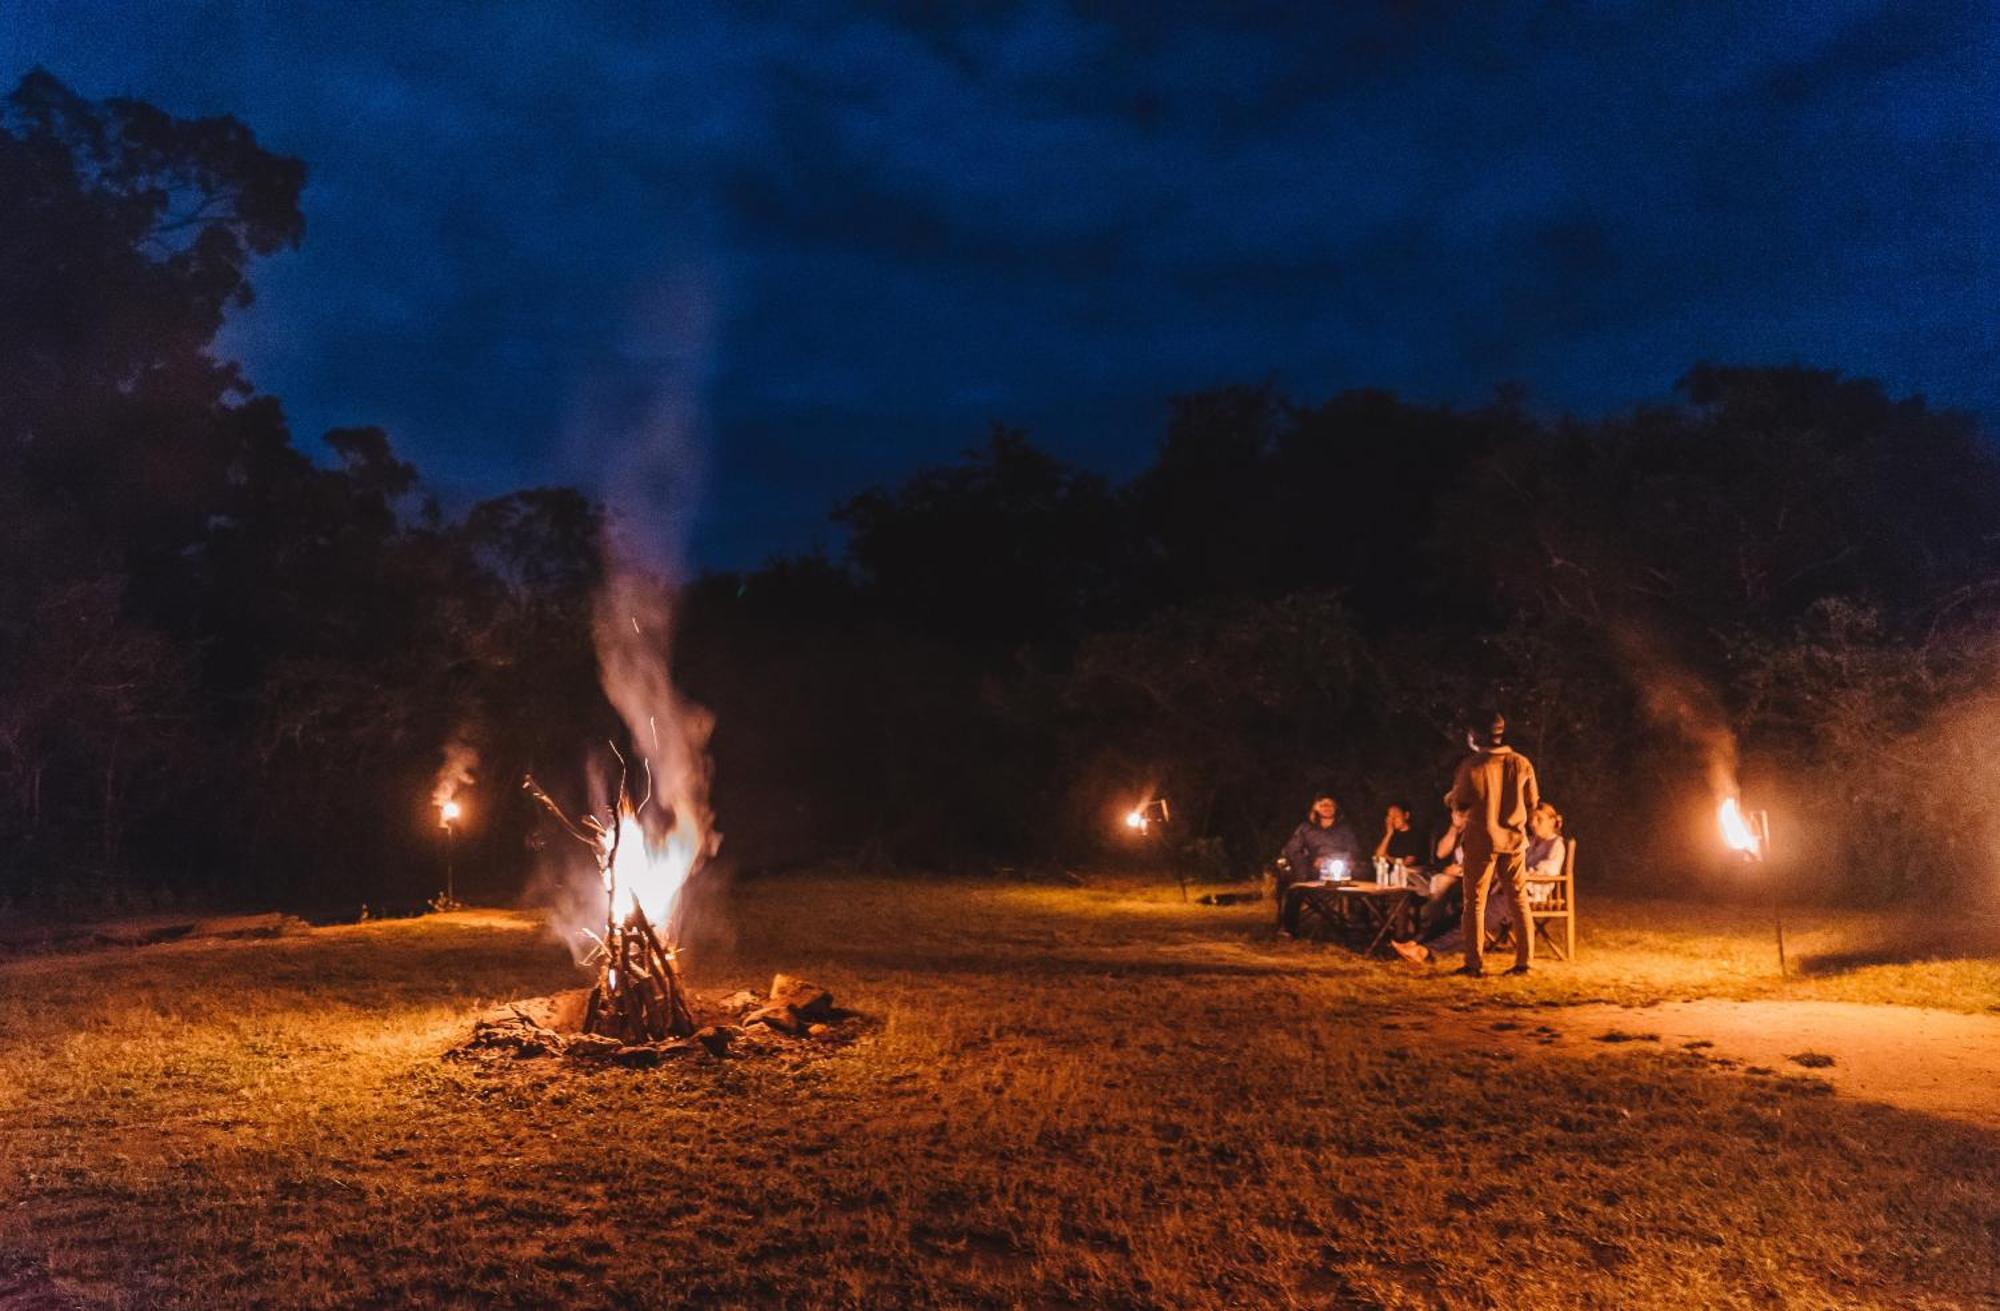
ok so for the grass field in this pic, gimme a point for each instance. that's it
(1070, 1097)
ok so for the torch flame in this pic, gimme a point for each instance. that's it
(448, 813)
(1136, 820)
(1736, 830)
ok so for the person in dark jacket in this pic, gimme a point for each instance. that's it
(1318, 849)
(1322, 840)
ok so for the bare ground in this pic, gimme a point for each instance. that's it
(1069, 1097)
(1936, 1062)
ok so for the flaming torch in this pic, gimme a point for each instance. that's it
(1140, 822)
(1749, 834)
(454, 776)
(1140, 819)
(448, 813)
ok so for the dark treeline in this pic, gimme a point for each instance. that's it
(228, 671)
(1313, 595)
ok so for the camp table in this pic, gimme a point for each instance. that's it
(1370, 907)
(1382, 910)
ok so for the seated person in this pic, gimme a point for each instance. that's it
(1440, 887)
(1546, 851)
(1400, 842)
(1321, 840)
(1310, 854)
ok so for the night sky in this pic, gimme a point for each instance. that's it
(825, 243)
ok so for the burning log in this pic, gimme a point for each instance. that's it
(638, 996)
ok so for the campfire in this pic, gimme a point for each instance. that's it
(639, 1010)
(638, 995)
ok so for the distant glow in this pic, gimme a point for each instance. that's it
(448, 813)
(1136, 821)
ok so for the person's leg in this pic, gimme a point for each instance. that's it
(1441, 912)
(1499, 911)
(1478, 881)
(1514, 888)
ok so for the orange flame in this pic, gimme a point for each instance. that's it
(1736, 831)
(647, 872)
(1136, 821)
(448, 813)
(654, 856)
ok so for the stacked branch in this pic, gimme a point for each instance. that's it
(638, 995)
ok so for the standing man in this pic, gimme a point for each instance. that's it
(1493, 794)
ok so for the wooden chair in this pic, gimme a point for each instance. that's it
(1560, 905)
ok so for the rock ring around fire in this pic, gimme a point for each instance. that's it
(794, 1015)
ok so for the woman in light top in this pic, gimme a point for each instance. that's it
(1546, 850)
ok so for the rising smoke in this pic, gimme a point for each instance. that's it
(1680, 704)
(637, 435)
(461, 761)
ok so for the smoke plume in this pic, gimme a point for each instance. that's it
(1679, 703)
(461, 759)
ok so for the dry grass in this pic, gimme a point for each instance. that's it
(1074, 1098)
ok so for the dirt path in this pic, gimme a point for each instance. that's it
(1939, 1062)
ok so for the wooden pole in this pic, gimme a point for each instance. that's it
(1762, 819)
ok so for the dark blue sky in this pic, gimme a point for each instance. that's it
(808, 247)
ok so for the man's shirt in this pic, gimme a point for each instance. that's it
(1499, 788)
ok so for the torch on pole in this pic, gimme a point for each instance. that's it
(1749, 832)
(1146, 817)
(1760, 821)
(448, 817)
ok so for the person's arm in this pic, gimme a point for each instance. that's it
(1448, 844)
(1531, 787)
(1388, 836)
(1295, 853)
(1551, 864)
(1462, 796)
